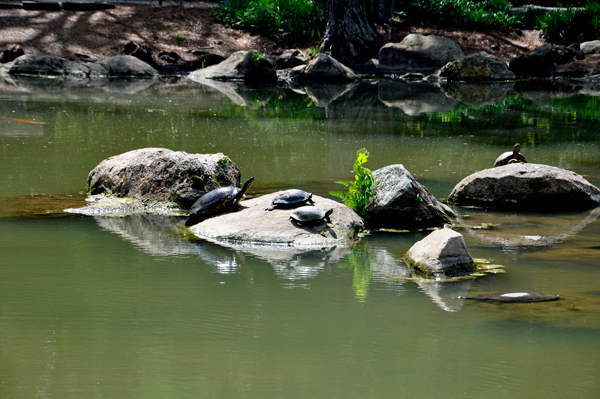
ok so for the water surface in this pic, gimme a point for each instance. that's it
(132, 308)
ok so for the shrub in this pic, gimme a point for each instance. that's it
(360, 191)
(572, 25)
(297, 18)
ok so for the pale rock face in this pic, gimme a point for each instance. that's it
(442, 254)
(526, 187)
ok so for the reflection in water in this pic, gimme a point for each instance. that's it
(415, 98)
(240, 93)
(477, 95)
(153, 234)
(445, 294)
(513, 231)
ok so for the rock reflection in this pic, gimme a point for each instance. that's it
(445, 294)
(477, 95)
(513, 231)
(28, 84)
(240, 93)
(415, 98)
(153, 234)
(542, 92)
(323, 95)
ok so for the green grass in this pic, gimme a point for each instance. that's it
(572, 25)
(295, 18)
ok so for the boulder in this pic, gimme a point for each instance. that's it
(120, 66)
(241, 65)
(10, 53)
(323, 68)
(400, 202)
(418, 53)
(252, 225)
(592, 47)
(478, 66)
(542, 60)
(45, 65)
(123, 66)
(442, 254)
(526, 187)
(162, 174)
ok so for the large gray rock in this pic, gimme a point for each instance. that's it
(478, 66)
(122, 66)
(442, 254)
(241, 65)
(592, 47)
(44, 65)
(162, 174)
(252, 225)
(537, 62)
(526, 187)
(418, 53)
(323, 68)
(400, 202)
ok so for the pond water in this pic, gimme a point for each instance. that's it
(133, 308)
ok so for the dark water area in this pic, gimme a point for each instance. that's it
(135, 307)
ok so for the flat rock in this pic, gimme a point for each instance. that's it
(442, 254)
(400, 202)
(479, 66)
(44, 65)
(241, 65)
(162, 174)
(526, 187)
(323, 68)
(252, 225)
(418, 53)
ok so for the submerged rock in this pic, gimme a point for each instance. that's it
(442, 254)
(252, 225)
(400, 202)
(162, 174)
(514, 297)
(526, 187)
(418, 53)
(242, 65)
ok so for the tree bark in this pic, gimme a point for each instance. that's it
(349, 35)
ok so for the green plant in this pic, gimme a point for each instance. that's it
(572, 25)
(179, 38)
(225, 160)
(360, 191)
(256, 57)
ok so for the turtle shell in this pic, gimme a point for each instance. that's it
(510, 157)
(290, 199)
(310, 215)
(215, 201)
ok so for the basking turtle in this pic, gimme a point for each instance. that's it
(510, 157)
(310, 215)
(291, 199)
(215, 201)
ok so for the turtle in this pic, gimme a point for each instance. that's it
(510, 157)
(216, 201)
(310, 214)
(291, 199)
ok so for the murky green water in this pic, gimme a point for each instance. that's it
(127, 308)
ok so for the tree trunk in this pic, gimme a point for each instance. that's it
(349, 35)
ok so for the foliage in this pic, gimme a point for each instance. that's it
(360, 191)
(297, 18)
(466, 13)
(571, 25)
(179, 38)
(256, 57)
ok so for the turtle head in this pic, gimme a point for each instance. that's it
(241, 195)
(517, 148)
